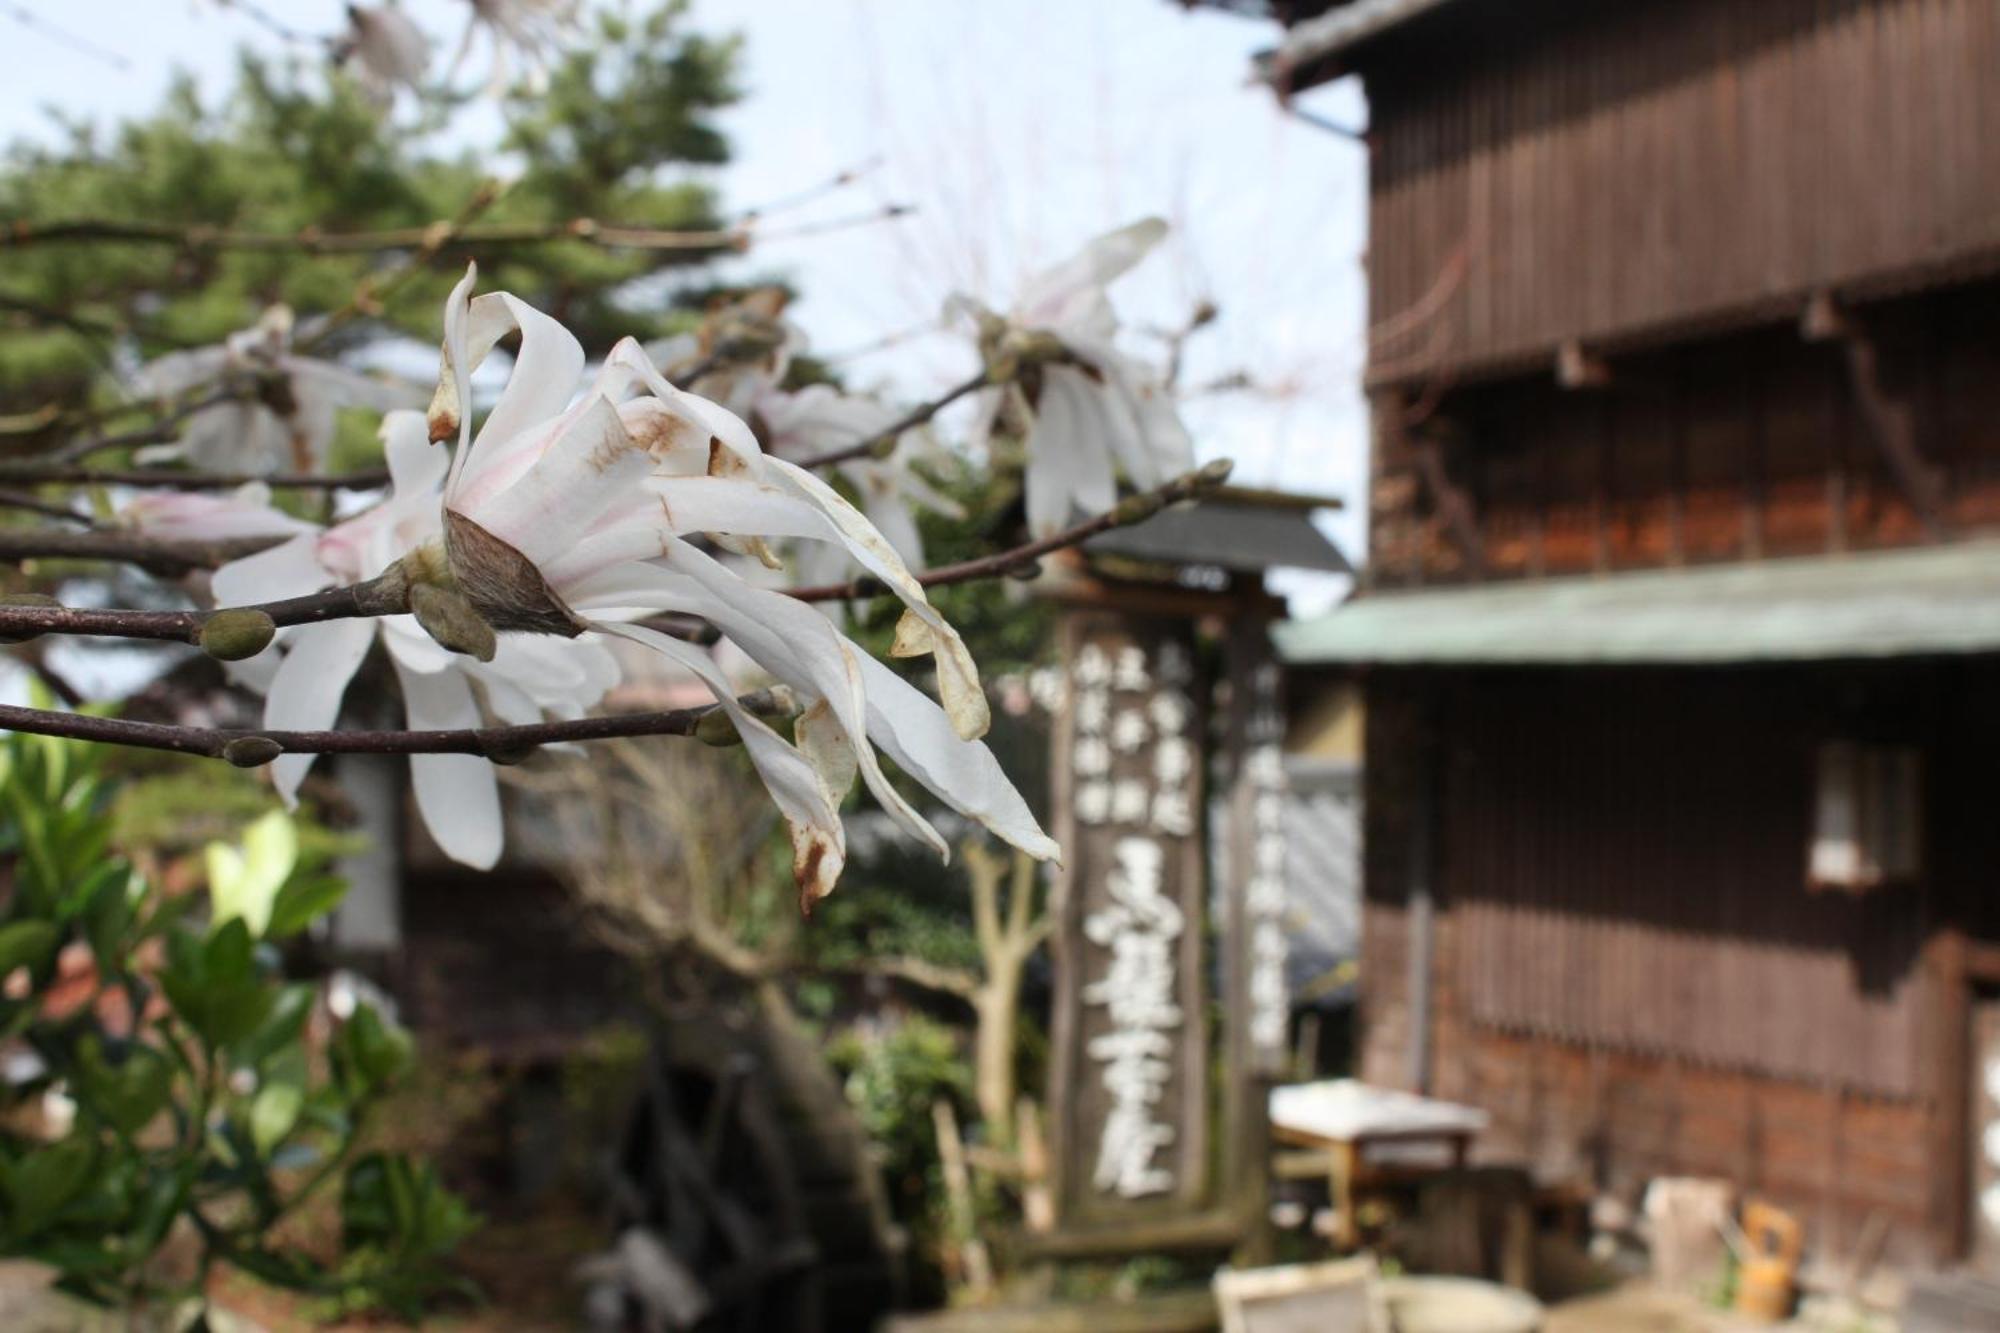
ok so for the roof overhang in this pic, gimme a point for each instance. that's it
(1239, 530)
(1927, 602)
(1335, 35)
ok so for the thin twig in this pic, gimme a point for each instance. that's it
(492, 742)
(910, 420)
(34, 504)
(160, 555)
(1133, 509)
(370, 479)
(374, 597)
(22, 233)
(370, 295)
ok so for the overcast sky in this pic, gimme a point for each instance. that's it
(1016, 130)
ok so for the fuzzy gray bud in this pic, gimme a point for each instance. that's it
(252, 751)
(237, 633)
(450, 619)
(717, 728)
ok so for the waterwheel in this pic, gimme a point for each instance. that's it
(747, 1199)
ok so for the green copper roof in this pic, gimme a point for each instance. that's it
(1909, 603)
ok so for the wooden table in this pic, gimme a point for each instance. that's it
(1332, 1125)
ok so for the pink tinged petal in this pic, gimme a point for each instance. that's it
(546, 371)
(305, 693)
(819, 842)
(457, 794)
(290, 569)
(1068, 468)
(915, 733)
(958, 677)
(590, 467)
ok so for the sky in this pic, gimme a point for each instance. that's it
(1015, 131)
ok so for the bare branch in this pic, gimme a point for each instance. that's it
(885, 439)
(1133, 509)
(695, 244)
(159, 555)
(250, 747)
(174, 480)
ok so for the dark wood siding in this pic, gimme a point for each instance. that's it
(1628, 971)
(1739, 447)
(1622, 172)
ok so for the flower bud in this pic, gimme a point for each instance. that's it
(236, 633)
(717, 728)
(450, 619)
(25, 599)
(252, 751)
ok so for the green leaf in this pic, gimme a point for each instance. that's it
(303, 901)
(41, 1184)
(368, 1054)
(129, 1092)
(28, 944)
(273, 1113)
(280, 1030)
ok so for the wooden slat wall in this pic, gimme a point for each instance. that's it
(1629, 169)
(1740, 447)
(1598, 871)
(1639, 884)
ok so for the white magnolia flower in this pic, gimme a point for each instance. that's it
(532, 29)
(1098, 412)
(384, 49)
(820, 418)
(305, 673)
(195, 516)
(285, 421)
(574, 517)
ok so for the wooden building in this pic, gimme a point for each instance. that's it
(1681, 629)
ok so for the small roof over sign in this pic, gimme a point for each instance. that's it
(1242, 531)
(1926, 602)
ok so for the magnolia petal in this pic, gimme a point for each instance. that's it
(289, 569)
(723, 426)
(914, 731)
(1066, 292)
(305, 693)
(588, 468)
(1068, 468)
(448, 414)
(458, 795)
(819, 842)
(415, 466)
(958, 676)
(791, 641)
(823, 743)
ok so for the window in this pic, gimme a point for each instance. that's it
(1867, 816)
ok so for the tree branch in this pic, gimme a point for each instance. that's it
(697, 244)
(160, 555)
(886, 437)
(1133, 509)
(171, 480)
(253, 746)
